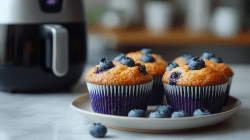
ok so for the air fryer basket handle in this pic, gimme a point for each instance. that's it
(60, 47)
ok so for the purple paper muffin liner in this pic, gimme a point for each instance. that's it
(157, 94)
(228, 90)
(119, 100)
(189, 99)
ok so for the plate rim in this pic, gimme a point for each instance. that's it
(86, 95)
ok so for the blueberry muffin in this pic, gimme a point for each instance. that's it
(224, 68)
(156, 66)
(195, 86)
(117, 87)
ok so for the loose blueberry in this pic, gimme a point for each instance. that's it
(196, 63)
(137, 113)
(207, 55)
(217, 60)
(106, 63)
(201, 112)
(171, 66)
(165, 108)
(128, 61)
(186, 57)
(146, 50)
(98, 130)
(119, 57)
(157, 114)
(179, 114)
(147, 58)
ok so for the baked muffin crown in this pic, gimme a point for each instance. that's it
(206, 76)
(119, 75)
(224, 68)
(156, 68)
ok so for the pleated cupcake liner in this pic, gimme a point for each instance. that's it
(119, 100)
(190, 98)
(157, 94)
(228, 89)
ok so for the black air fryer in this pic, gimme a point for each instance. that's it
(42, 44)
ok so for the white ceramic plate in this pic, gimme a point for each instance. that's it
(82, 104)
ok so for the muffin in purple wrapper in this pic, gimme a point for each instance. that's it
(195, 86)
(156, 67)
(119, 88)
(218, 64)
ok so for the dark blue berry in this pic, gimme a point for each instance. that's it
(171, 66)
(217, 60)
(146, 50)
(174, 77)
(119, 57)
(98, 130)
(128, 61)
(196, 63)
(142, 69)
(165, 108)
(106, 63)
(207, 55)
(137, 113)
(179, 114)
(157, 114)
(147, 58)
(100, 70)
(186, 57)
(201, 112)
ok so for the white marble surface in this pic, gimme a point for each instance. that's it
(48, 116)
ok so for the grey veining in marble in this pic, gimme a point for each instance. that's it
(49, 117)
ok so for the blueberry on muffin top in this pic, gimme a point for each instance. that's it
(147, 58)
(208, 55)
(186, 57)
(119, 57)
(128, 61)
(196, 63)
(171, 66)
(146, 50)
(217, 60)
(106, 63)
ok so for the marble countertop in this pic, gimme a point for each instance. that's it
(49, 116)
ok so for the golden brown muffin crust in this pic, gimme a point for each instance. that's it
(220, 66)
(207, 76)
(118, 75)
(156, 68)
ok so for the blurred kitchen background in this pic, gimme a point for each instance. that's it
(170, 27)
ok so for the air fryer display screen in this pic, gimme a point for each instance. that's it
(51, 6)
(52, 2)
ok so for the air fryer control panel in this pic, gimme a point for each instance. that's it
(51, 6)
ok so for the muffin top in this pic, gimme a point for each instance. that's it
(118, 74)
(182, 60)
(155, 65)
(224, 68)
(185, 75)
